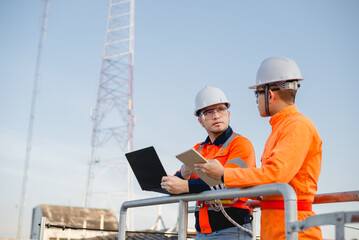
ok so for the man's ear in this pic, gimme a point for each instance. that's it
(271, 96)
(200, 121)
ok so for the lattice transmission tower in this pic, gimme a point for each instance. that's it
(109, 180)
(35, 90)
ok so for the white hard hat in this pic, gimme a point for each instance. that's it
(277, 69)
(209, 96)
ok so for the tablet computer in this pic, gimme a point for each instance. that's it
(189, 158)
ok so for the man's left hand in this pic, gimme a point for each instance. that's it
(174, 185)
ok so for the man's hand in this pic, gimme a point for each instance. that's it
(186, 172)
(213, 168)
(174, 185)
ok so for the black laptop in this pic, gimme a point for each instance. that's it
(147, 168)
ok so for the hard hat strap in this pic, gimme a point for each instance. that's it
(266, 88)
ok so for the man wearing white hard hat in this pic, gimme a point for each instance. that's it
(292, 154)
(231, 150)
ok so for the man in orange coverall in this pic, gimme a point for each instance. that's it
(292, 154)
(231, 150)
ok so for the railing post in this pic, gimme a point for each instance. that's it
(42, 228)
(339, 226)
(122, 224)
(291, 215)
(183, 220)
(254, 227)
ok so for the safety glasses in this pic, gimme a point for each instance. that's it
(257, 92)
(210, 112)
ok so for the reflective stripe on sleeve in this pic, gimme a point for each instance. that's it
(239, 162)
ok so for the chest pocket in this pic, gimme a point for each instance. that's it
(222, 155)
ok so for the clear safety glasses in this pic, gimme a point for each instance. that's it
(207, 114)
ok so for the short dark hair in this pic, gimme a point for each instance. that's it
(287, 95)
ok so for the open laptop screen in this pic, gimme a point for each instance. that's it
(147, 168)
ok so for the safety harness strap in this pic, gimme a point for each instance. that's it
(225, 145)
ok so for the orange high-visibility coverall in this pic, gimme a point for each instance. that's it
(292, 155)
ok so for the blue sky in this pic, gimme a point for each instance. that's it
(180, 47)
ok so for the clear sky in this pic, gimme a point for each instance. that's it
(180, 47)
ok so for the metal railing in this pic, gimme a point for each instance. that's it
(289, 196)
(352, 196)
(292, 226)
(338, 219)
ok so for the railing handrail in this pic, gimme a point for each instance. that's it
(338, 197)
(351, 196)
(289, 196)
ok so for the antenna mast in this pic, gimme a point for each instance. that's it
(32, 118)
(109, 178)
